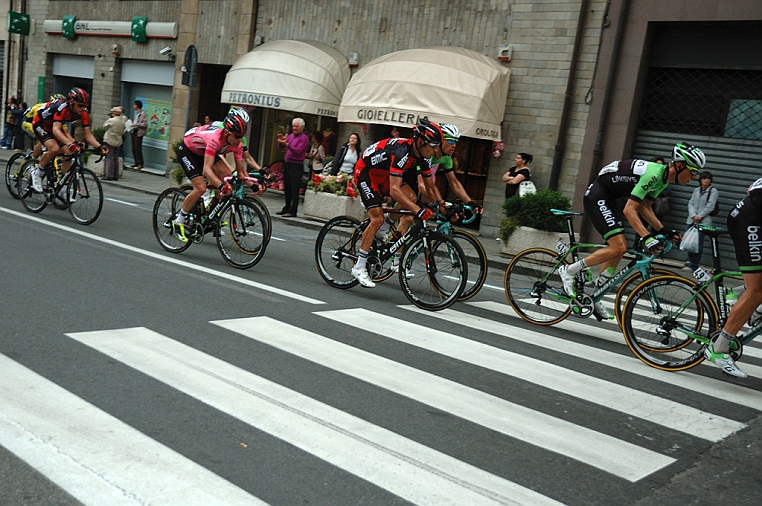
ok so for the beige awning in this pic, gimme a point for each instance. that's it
(447, 84)
(295, 75)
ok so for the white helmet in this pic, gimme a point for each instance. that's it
(237, 111)
(693, 157)
(450, 131)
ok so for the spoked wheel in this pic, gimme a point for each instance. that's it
(629, 284)
(13, 171)
(534, 289)
(336, 251)
(664, 329)
(241, 234)
(33, 201)
(477, 262)
(85, 195)
(265, 214)
(433, 272)
(165, 210)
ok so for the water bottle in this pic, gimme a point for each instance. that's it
(702, 274)
(730, 298)
(562, 247)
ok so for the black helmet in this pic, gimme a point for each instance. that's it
(235, 124)
(79, 96)
(428, 131)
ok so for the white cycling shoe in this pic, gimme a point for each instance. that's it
(361, 275)
(601, 311)
(724, 361)
(36, 179)
(567, 280)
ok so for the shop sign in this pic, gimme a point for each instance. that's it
(139, 29)
(18, 23)
(253, 99)
(386, 115)
(67, 27)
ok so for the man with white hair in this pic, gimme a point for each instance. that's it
(295, 146)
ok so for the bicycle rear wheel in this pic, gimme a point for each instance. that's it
(433, 271)
(336, 251)
(85, 196)
(241, 234)
(13, 171)
(629, 284)
(33, 201)
(534, 289)
(477, 262)
(666, 324)
(167, 205)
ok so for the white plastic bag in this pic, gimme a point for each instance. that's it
(690, 243)
(526, 187)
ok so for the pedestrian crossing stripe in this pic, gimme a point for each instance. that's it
(406, 468)
(95, 457)
(708, 387)
(610, 395)
(620, 458)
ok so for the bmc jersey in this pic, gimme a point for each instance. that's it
(210, 140)
(58, 111)
(389, 157)
(637, 179)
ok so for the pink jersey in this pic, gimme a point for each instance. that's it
(210, 140)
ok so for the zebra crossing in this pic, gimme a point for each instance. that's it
(491, 391)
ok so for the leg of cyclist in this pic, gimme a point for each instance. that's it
(372, 200)
(192, 165)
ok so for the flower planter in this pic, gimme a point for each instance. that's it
(325, 206)
(526, 237)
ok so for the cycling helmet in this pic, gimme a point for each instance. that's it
(237, 111)
(693, 157)
(234, 124)
(450, 131)
(79, 96)
(57, 96)
(428, 131)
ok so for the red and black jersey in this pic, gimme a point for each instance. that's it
(58, 111)
(389, 157)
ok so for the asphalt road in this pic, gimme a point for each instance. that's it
(130, 375)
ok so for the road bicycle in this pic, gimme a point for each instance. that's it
(668, 321)
(13, 171)
(476, 257)
(432, 270)
(238, 224)
(534, 289)
(79, 189)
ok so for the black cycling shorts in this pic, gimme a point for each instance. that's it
(602, 210)
(192, 164)
(745, 227)
(42, 135)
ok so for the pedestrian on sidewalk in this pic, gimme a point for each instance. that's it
(113, 138)
(7, 141)
(295, 145)
(139, 128)
(700, 207)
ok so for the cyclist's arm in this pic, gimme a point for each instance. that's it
(90, 138)
(399, 195)
(62, 136)
(633, 209)
(457, 187)
(251, 161)
(209, 174)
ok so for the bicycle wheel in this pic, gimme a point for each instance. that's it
(33, 201)
(241, 234)
(628, 285)
(666, 323)
(13, 171)
(265, 214)
(167, 205)
(85, 195)
(477, 262)
(336, 251)
(534, 289)
(433, 271)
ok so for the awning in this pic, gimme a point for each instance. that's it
(447, 84)
(295, 75)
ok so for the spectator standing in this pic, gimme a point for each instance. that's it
(113, 138)
(139, 128)
(517, 174)
(7, 140)
(316, 154)
(295, 145)
(702, 203)
(18, 122)
(347, 156)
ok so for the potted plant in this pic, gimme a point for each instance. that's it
(330, 196)
(530, 223)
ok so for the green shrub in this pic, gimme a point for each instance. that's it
(177, 174)
(98, 133)
(507, 227)
(173, 151)
(533, 210)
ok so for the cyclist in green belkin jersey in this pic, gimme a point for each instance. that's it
(641, 182)
(247, 158)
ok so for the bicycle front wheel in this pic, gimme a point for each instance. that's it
(336, 251)
(12, 173)
(241, 234)
(167, 205)
(85, 195)
(477, 262)
(629, 284)
(534, 289)
(433, 271)
(33, 201)
(265, 214)
(667, 324)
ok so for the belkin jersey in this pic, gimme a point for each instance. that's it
(635, 178)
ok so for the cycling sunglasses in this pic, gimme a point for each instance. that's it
(451, 141)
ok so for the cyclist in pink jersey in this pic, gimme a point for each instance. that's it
(200, 155)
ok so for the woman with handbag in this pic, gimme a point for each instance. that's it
(700, 210)
(517, 174)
